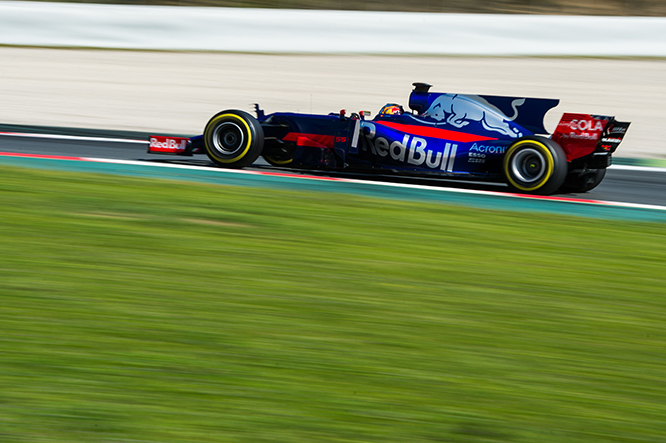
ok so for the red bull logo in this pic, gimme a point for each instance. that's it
(411, 150)
(459, 111)
(169, 145)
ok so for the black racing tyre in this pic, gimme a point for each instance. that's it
(585, 182)
(277, 152)
(280, 156)
(233, 139)
(535, 165)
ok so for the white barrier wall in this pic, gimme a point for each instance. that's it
(325, 32)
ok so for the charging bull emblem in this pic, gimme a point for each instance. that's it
(459, 111)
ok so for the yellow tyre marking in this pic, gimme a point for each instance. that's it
(281, 162)
(550, 162)
(212, 125)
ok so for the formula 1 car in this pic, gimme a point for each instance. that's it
(476, 137)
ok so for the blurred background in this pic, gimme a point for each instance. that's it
(558, 7)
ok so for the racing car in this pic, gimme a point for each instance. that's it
(475, 137)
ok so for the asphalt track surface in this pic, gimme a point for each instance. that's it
(636, 185)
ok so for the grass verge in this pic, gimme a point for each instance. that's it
(153, 311)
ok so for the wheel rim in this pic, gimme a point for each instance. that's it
(528, 165)
(228, 138)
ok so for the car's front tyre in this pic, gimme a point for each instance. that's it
(535, 165)
(233, 139)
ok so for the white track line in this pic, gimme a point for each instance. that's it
(73, 137)
(376, 183)
(122, 140)
(370, 182)
(637, 168)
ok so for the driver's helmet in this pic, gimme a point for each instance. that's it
(391, 109)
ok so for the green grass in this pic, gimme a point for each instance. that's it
(154, 311)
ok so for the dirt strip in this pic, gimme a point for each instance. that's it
(179, 92)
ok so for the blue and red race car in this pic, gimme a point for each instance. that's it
(475, 137)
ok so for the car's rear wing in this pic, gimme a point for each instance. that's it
(584, 134)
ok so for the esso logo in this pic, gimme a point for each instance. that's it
(586, 125)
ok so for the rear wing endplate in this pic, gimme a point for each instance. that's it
(583, 134)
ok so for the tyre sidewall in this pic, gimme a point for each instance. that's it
(251, 144)
(554, 165)
(593, 182)
(278, 163)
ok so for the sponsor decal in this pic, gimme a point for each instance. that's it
(580, 129)
(167, 144)
(477, 153)
(583, 136)
(475, 157)
(487, 149)
(586, 125)
(411, 150)
(618, 130)
(611, 140)
(459, 111)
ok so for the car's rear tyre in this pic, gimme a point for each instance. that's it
(585, 182)
(233, 139)
(535, 165)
